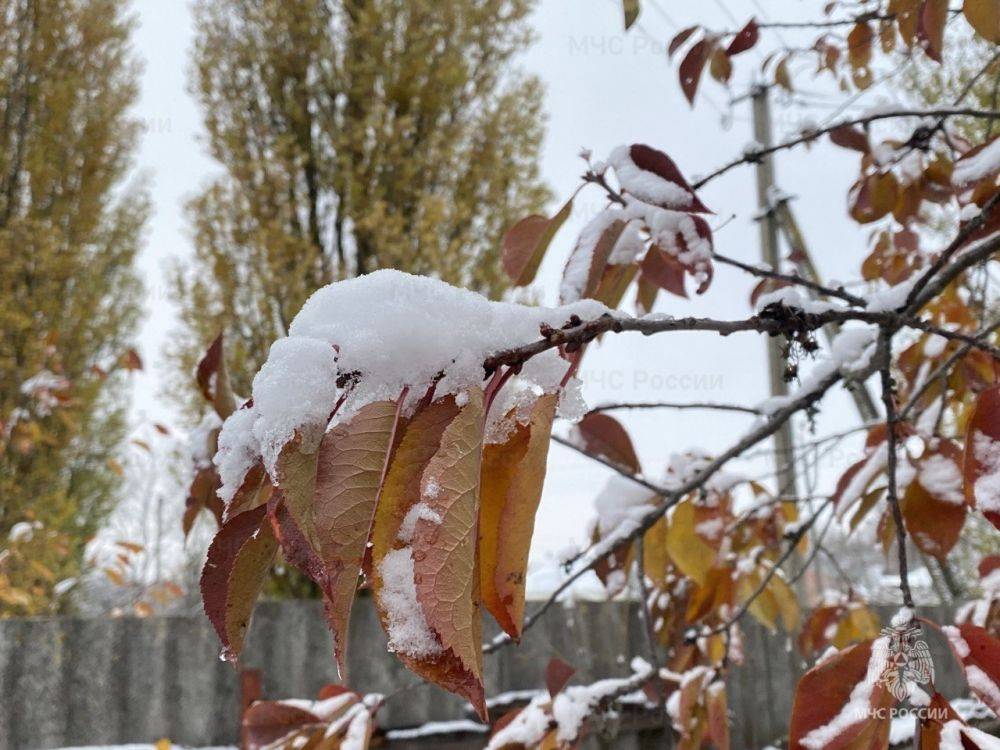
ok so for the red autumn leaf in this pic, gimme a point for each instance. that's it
(988, 564)
(982, 456)
(525, 243)
(692, 66)
(745, 38)
(238, 560)
(979, 654)
(630, 166)
(847, 136)
(603, 435)
(586, 263)
(557, 674)
(679, 38)
(213, 379)
(664, 271)
(825, 713)
(930, 27)
(131, 360)
(266, 722)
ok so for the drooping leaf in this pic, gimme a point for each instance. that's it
(689, 552)
(979, 654)
(525, 244)
(630, 10)
(679, 38)
(411, 636)
(234, 573)
(663, 270)
(825, 713)
(213, 379)
(296, 478)
(984, 17)
(603, 435)
(351, 462)
(202, 495)
(692, 66)
(859, 45)
(745, 38)
(557, 674)
(512, 476)
(930, 27)
(444, 552)
(981, 465)
(720, 66)
(934, 515)
(718, 715)
(586, 263)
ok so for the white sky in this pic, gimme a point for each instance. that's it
(603, 88)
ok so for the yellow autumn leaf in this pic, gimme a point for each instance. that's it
(693, 556)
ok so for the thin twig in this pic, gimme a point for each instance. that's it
(673, 405)
(885, 346)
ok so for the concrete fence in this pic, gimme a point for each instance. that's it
(91, 681)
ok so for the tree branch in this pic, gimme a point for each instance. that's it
(812, 135)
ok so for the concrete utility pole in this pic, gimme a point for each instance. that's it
(768, 223)
(863, 399)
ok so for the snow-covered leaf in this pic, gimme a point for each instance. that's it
(981, 467)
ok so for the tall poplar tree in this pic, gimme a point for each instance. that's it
(353, 135)
(69, 295)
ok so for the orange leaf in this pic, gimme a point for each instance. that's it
(525, 243)
(393, 564)
(934, 515)
(351, 462)
(512, 476)
(444, 551)
(984, 17)
(982, 456)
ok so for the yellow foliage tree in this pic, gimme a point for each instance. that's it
(353, 136)
(69, 231)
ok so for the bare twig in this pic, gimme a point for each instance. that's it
(885, 347)
(672, 405)
(795, 279)
(811, 135)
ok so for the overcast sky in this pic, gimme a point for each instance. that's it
(603, 88)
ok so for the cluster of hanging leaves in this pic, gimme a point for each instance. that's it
(846, 49)
(338, 720)
(653, 231)
(413, 506)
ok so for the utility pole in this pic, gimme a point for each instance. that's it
(796, 242)
(767, 221)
